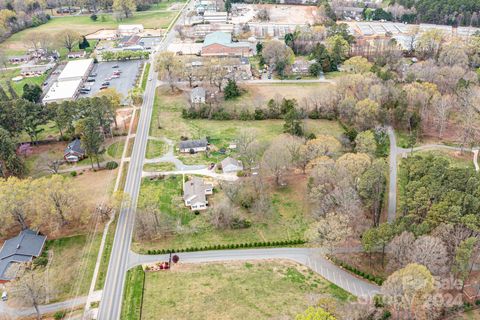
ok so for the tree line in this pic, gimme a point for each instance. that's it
(88, 118)
(18, 15)
(450, 12)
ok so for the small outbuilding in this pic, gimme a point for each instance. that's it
(230, 165)
(193, 146)
(20, 249)
(129, 29)
(74, 151)
(197, 95)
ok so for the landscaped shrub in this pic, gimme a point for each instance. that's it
(73, 173)
(230, 246)
(477, 302)
(40, 261)
(59, 315)
(111, 165)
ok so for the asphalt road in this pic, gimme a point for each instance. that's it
(392, 186)
(310, 257)
(111, 303)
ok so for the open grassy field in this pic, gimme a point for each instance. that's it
(257, 95)
(288, 220)
(236, 290)
(167, 122)
(83, 24)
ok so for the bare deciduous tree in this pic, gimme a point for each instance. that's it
(431, 252)
(276, 159)
(31, 291)
(330, 230)
(399, 250)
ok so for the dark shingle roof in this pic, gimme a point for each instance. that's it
(74, 146)
(22, 248)
(190, 144)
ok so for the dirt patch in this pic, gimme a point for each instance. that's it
(279, 14)
(94, 187)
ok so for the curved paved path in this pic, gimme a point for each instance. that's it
(310, 257)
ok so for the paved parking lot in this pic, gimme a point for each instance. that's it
(123, 84)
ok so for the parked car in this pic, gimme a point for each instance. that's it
(106, 83)
(115, 66)
(103, 87)
(115, 76)
(93, 75)
(4, 296)
(91, 80)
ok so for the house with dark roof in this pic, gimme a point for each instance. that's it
(74, 151)
(220, 44)
(195, 193)
(20, 249)
(193, 146)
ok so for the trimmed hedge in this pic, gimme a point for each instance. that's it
(346, 266)
(231, 246)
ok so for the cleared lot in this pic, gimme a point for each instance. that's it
(104, 72)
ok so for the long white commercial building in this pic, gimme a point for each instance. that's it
(69, 81)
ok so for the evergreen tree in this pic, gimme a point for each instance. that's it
(32, 92)
(231, 90)
(293, 123)
(84, 44)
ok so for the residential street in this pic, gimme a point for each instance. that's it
(312, 258)
(110, 305)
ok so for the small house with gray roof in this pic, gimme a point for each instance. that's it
(193, 146)
(230, 165)
(20, 249)
(195, 193)
(197, 95)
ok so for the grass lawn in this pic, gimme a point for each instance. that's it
(456, 158)
(133, 294)
(7, 75)
(167, 122)
(162, 166)
(67, 275)
(115, 150)
(83, 24)
(236, 290)
(107, 249)
(289, 218)
(145, 75)
(155, 149)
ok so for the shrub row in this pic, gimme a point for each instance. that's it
(231, 246)
(346, 266)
